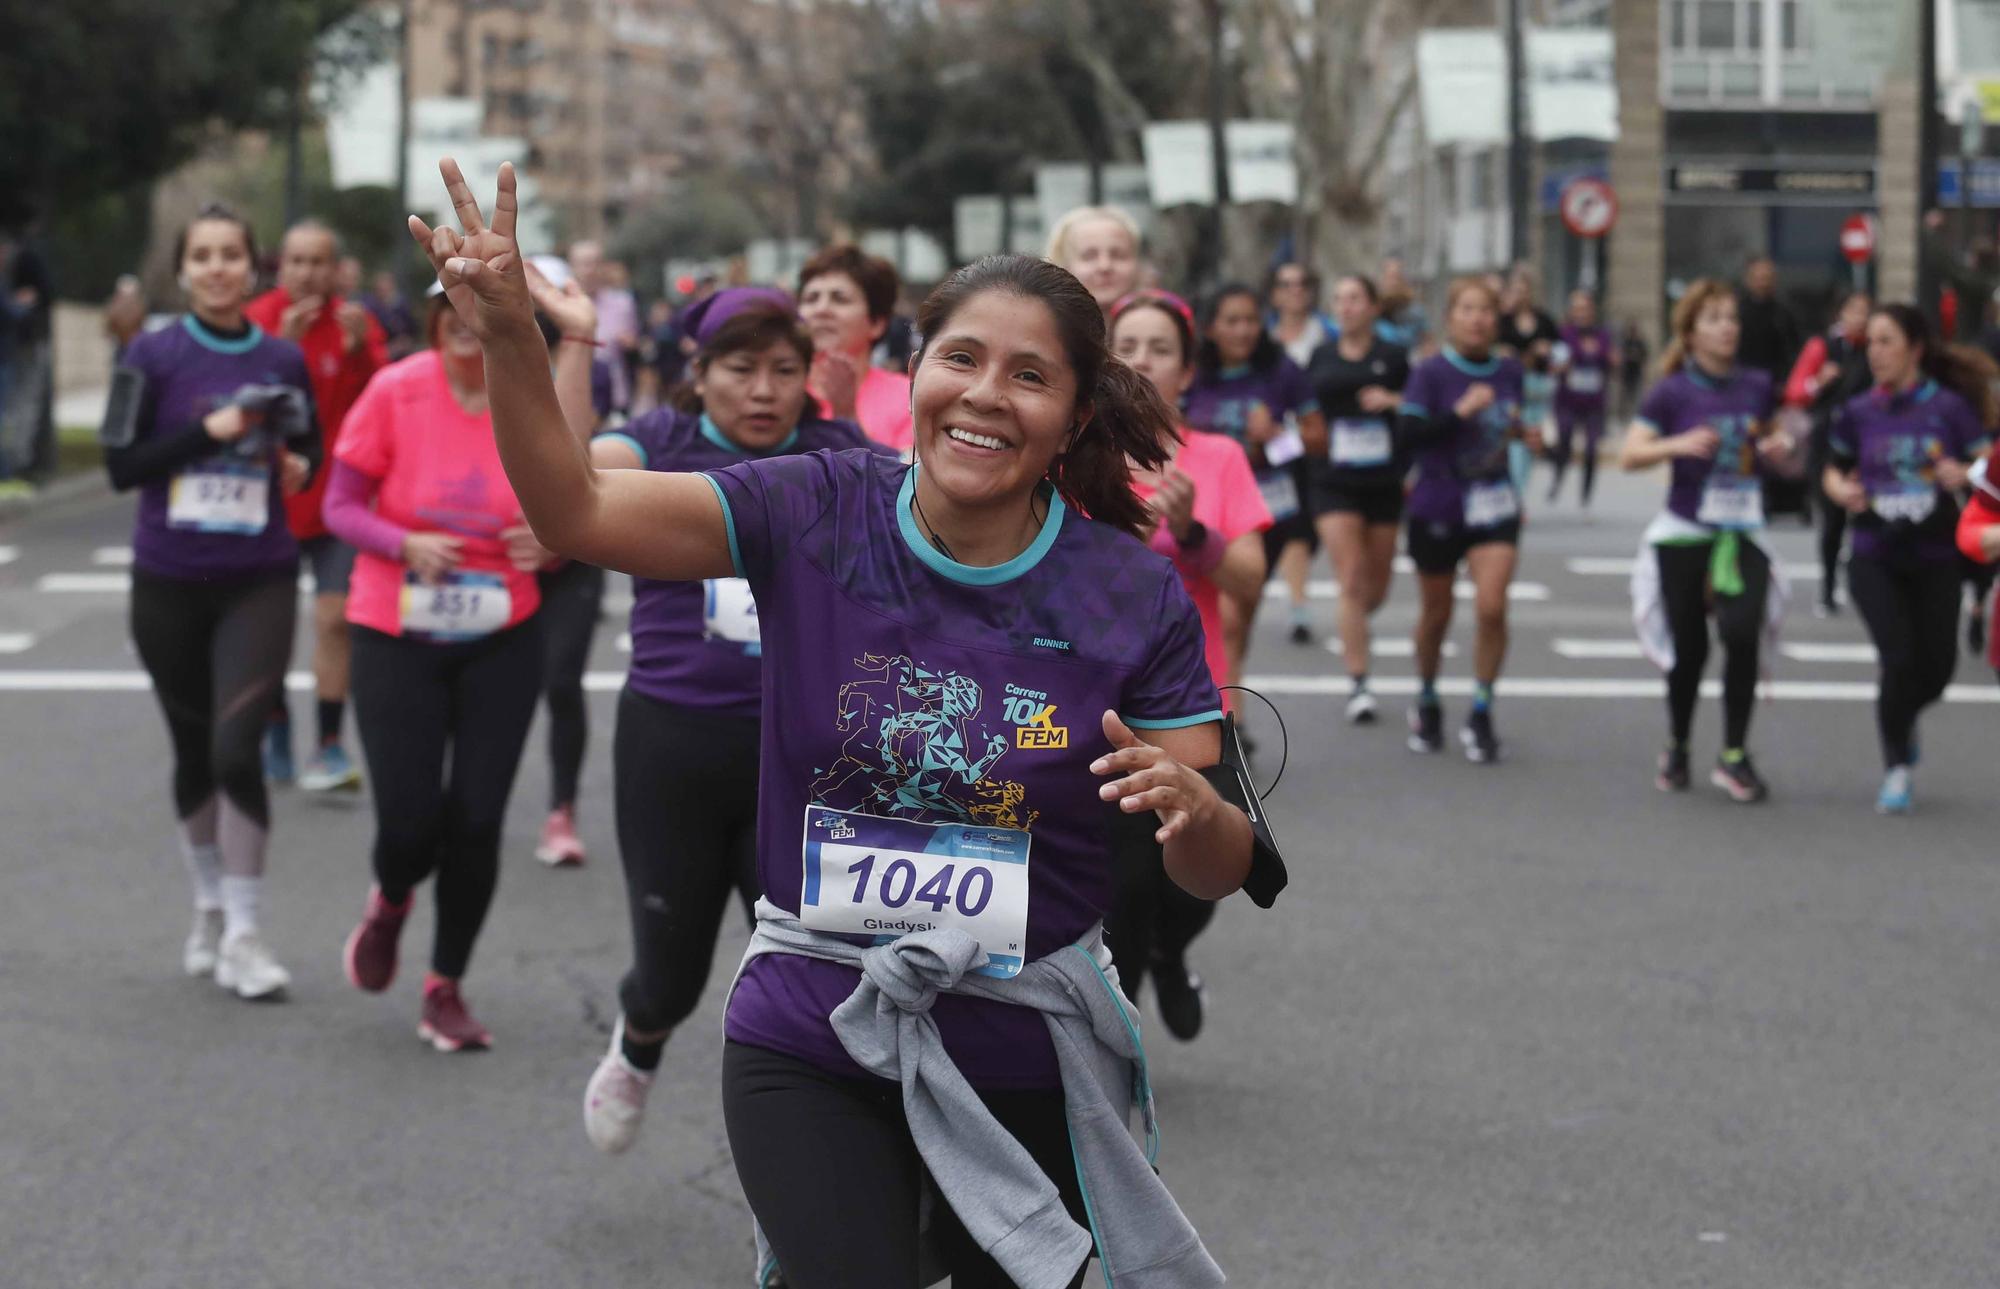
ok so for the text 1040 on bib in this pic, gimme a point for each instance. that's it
(887, 878)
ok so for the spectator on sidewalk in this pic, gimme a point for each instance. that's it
(27, 407)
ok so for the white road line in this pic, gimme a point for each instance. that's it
(1838, 691)
(1571, 648)
(8, 554)
(624, 642)
(1511, 687)
(112, 557)
(1621, 566)
(1807, 652)
(1393, 647)
(15, 641)
(106, 583)
(1535, 591)
(84, 583)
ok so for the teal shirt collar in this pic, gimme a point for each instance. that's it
(972, 574)
(221, 344)
(713, 433)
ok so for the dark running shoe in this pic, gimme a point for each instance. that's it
(1179, 991)
(1482, 745)
(1740, 780)
(1427, 728)
(1673, 775)
(370, 953)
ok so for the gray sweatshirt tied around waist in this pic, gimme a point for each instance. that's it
(1008, 1206)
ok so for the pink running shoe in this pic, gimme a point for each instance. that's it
(560, 847)
(446, 1024)
(370, 955)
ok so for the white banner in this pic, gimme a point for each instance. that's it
(1062, 186)
(1462, 86)
(976, 224)
(1180, 166)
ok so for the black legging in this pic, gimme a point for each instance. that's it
(216, 652)
(1739, 620)
(787, 1119)
(1151, 918)
(1912, 614)
(442, 727)
(1571, 422)
(571, 597)
(686, 798)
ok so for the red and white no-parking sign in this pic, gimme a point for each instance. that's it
(1589, 207)
(1857, 239)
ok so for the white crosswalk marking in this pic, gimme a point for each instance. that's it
(112, 557)
(15, 641)
(624, 642)
(1808, 652)
(1616, 566)
(1393, 647)
(8, 554)
(84, 583)
(1572, 648)
(1511, 687)
(1537, 592)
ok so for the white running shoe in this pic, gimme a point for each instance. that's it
(245, 967)
(1361, 708)
(614, 1101)
(198, 959)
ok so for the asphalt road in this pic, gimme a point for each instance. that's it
(1526, 1025)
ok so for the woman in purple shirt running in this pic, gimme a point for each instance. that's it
(958, 653)
(1899, 456)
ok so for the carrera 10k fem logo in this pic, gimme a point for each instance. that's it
(1034, 719)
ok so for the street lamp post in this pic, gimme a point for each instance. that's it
(1218, 117)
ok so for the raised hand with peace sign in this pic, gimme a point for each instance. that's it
(479, 266)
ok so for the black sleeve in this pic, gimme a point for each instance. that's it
(1399, 368)
(157, 455)
(1415, 431)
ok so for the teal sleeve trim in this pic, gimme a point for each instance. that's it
(729, 522)
(1173, 723)
(638, 449)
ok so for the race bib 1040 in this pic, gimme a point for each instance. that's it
(464, 606)
(231, 496)
(887, 878)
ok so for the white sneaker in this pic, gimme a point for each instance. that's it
(1361, 708)
(614, 1101)
(246, 968)
(198, 959)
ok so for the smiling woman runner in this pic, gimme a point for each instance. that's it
(202, 419)
(956, 660)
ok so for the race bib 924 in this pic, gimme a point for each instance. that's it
(227, 496)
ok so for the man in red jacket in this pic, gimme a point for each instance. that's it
(344, 346)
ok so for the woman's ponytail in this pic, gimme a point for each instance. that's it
(1130, 425)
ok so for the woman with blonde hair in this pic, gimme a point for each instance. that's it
(1709, 418)
(1101, 245)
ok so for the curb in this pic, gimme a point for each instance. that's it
(72, 487)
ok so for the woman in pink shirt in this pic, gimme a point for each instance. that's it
(845, 299)
(447, 654)
(1211, 520)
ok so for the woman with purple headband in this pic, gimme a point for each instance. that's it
(684, 757)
